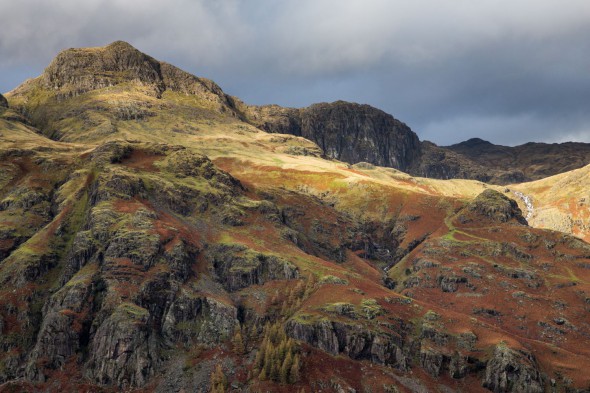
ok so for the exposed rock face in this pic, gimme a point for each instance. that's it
(360, 133)
(239, 267)
(512, 371)
(119, 65)
(76, 71)
(354, 341)
(3, 102)
(198, 319)
(123, 352)
(178, 80)
(497, 207)
(120, 304)
(355, 133)
(64, 329)
(346, 131)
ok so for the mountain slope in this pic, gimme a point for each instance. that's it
(153, 239)
(560, 202)
(534, 160)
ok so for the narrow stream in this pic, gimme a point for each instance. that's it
(528, 202)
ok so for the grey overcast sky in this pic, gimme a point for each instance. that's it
(509, 71)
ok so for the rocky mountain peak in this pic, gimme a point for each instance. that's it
(76, 71)
(475, 142)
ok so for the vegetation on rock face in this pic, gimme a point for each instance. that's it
(497, 207)
(152, 238)
(218, 380)
(278, 357)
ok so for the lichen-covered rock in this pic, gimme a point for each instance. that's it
(83, 249)
(110, 152)
(64, 329)
(497, 207)
(458, 366)
(431, 361)
(123, 350)
(24, 198)
(140, 247)
(76, 71)
(198, 319)
(180, 258)
(450, 283)
(183, 163)
(511, 370)
(355, 341)
(238, 267)
(102, 219)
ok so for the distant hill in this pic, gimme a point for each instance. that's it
(534, 160)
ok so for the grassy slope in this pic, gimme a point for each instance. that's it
(561, 202)
(263, 163)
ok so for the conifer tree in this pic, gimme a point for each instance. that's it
(218, 380)
(286, 368)
(294, 375)
(238, 342)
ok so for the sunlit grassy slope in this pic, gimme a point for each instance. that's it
(145, 205)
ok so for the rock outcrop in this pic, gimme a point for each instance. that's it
(118, 67)
(76, 71)
(237, 267)
(510, 370)
(345, 131)
(3, 102)
(354, 341)
(497, 207)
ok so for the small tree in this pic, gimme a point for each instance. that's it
(286, 368)
(294, 375)
(218, 380)
(238, 342)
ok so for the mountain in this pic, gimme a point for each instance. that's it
(154, 238)
(345, 131)
(360, 133)
(534, 160)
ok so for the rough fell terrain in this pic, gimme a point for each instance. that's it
(154, 238)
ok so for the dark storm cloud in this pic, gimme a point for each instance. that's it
(494, 69)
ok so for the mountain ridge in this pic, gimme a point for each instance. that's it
(346, 131)
(164, 244)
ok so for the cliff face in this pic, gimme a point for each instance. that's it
(76, 71)
(346, 131)
(360, 133)
(153, 240)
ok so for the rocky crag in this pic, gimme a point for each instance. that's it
(153, 238)
(360, 133)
